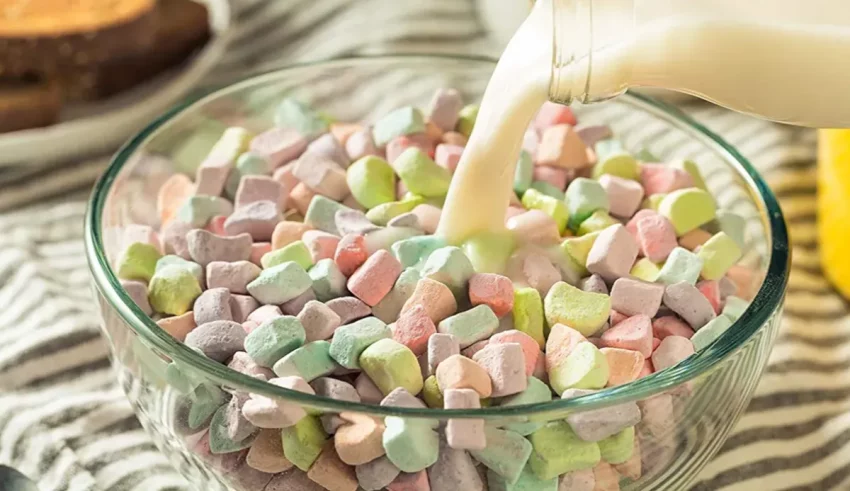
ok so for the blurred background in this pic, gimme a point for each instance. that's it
(62, 417)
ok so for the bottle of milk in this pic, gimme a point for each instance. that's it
(783, 60)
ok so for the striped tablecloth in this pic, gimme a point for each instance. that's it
(64, 420)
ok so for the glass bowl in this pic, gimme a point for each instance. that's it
(687, 410)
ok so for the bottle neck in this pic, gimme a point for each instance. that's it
(589, 52)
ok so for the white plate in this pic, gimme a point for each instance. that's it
(102, 126)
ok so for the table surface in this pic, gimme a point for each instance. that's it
(64, 420)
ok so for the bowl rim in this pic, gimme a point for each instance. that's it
(765, 303)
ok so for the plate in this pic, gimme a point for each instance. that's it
(95, 128)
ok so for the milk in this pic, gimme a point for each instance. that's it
(778, 70)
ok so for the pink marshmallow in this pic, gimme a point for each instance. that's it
(413, 329)
(258, 188)
(448, 156)
(555, 176)
(399, 144)
(711, 290)
(671, 326)
(613, 253)
(322, 245)
(279, 145)
(428, 216)
(258, 250)
(552, 113)
(671, 351)
(656, 237)
(495, 291)
(624, 195)
(634, 333)
(660, 178)
(533, 226)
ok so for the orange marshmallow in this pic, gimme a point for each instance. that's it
(287, 232)
(416, 481)
(534, 226)
(359, 439)
(562, 147)
(459, 372)
(171, 196)
(332, 473)
(634, 333)
(350, 253)
(694, 239)
(624, 365)
(258, 249)
(671, 326)
(436, 297)
(301, 196)
(341, 131)
(179, 325)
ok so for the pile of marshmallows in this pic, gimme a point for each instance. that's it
(305, 256)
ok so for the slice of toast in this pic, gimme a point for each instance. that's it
(182, 26)
(28, 104)
(47, 36)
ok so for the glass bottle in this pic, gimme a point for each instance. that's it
(783, 60)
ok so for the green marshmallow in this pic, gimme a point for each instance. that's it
(618, 448)
(431, 393)
(280, 284)
(411, 444)
(733, 225)
(524, 173)
(466, 120)
(527, 481)
(555, 208)
(205, 400)
(172, 260)
(311, 361)
(390, 306)
(489, 252)
(608, 147)
(414, 251)
(450, 266)
(691, 168)
(645, 270)
(274, 339)
(535, 392)
(718, 254)
(584, 311)
(390, 365)
(597, 221)
(173, 290)
(198, 210)
(296, 252)
(220, 442)
(578, 249)
(734, 307)
(708, 333)
(294, 114)
(371, 181)
(321, 214)
(557, 450)
(584, 368)
(190, 150)
(653, 201)
(687, 209)
(303, 442)
(233, 142)
(473, 325)
(681, 265)
(349, 341)
(383, 213)
(403, 121)
(138, 262)
(421, 175)
(621, 164)
(584, 196)
(644, 155)
(506, 453)
(328, 280)
(528, 313)
(548, 189)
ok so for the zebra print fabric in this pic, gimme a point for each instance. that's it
(65, 422)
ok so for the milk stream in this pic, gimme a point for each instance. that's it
(778, 71)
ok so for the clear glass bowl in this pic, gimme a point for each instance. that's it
(688, 410)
